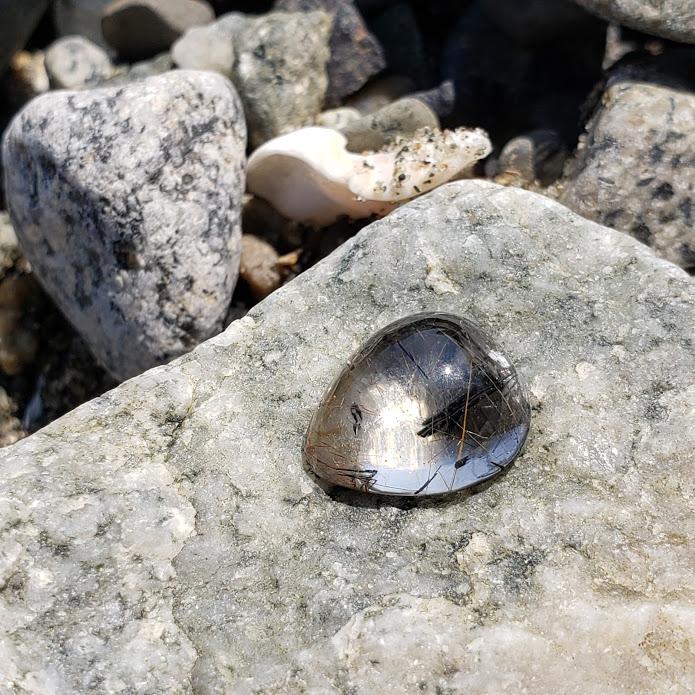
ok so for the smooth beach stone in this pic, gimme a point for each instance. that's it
(428, 406)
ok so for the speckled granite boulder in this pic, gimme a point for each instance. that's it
(167, 538)
(633, 170)
(355, 53)
(280, 71)
(74, 62)
(672, 19)
(17, 21)
(127, 202)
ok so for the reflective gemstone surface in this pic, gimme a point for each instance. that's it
(428, 406)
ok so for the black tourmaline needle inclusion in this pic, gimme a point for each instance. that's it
(428, 406)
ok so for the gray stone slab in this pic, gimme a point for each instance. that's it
(166, 537)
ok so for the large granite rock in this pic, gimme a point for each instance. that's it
(633, 170)
(166, 537)
(672, 19)
(126, 201)
(19, 19)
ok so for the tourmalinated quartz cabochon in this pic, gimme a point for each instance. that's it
(428, 406)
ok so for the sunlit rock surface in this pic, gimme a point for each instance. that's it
(167, 538)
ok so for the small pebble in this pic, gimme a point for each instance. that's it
(633, 169)
(440, 99)
(258, 266)
(338, 118)
(280, 71)
(260, 218)
(402, 118)
(18, 337)
(381, 92)
(11, 429)
(25, 78)
(74, 62)
(137, 239)
(127, 74)
(209, 47)
(138, 29)
(289, 260)
(355, 53)
(9, 249)
(290, 265)
(537, 156)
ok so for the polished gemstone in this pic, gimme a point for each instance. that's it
(428, 406)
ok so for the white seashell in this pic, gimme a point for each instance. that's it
(309, 175)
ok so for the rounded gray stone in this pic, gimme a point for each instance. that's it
(535, 156)
(338, 118)
(209, 47)
(125, 74)
(166, 537)
(73, 62)
(142, 28)
(380, 92)
(671, 19)
(127, 202)
(355, 53)
(399, 119)
(280, 71)
(633, 169)
(441, 99)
